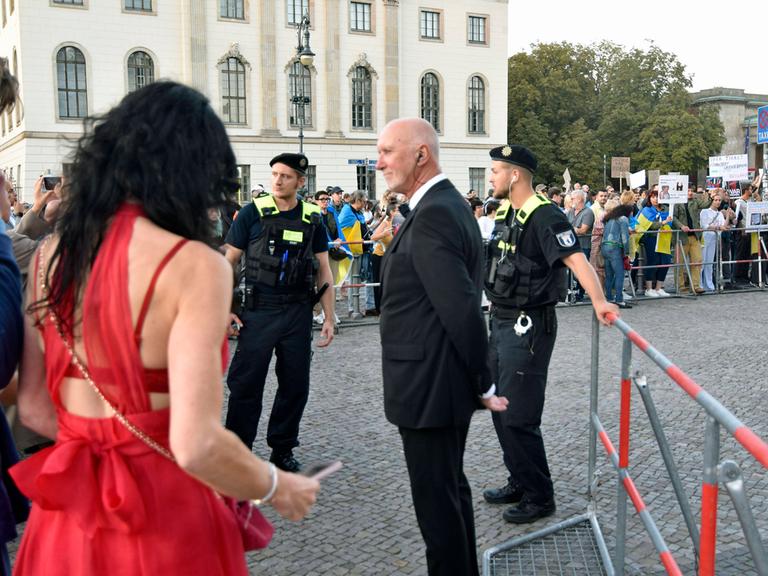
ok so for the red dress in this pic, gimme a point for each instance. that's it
(103, 501)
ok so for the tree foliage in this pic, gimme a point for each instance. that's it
(572, 104)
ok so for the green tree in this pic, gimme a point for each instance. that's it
(571, 104)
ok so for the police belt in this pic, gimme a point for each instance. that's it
(254, 300)
(509, 313)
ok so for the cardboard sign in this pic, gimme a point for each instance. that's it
(653, 177)
(734, 190)
(567, 179)
(673, 189)
(733, 167)
(619, 166)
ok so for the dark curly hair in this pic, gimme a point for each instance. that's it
(163, 147)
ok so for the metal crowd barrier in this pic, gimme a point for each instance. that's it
(680, 260)
(715, 471)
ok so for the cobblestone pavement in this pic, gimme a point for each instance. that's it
(364, 524)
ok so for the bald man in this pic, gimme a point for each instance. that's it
(434, 340)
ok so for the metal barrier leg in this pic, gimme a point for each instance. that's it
(356, 289)
(709, 498)
(719, 280)
(593, 405)
(730, 476)
(624, 421)
(661, 438)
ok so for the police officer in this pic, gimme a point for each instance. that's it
(286, 249)
(530, 247)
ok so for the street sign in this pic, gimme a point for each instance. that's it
(619, 166)
(360, 162)
(762, 125)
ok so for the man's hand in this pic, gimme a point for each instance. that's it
(495, 403)
(602, 309)
(326, 333)
(233, 329)
(42, 197)
(685, 228)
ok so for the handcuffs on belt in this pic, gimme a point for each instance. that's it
(523, 324)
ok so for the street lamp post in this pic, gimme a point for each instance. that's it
(306, 57)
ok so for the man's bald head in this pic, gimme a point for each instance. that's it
(408, 152)
(416, 132)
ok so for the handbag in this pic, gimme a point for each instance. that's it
(255, 530)
(337, 254)
(627, 263)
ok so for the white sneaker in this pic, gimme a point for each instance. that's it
(320, 318)
(336, 319)
(651, 293)
(662, 292)
(626, 296)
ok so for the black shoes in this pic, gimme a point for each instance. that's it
(507, 494)
(624, 305)
(526, 511)
(285, 461)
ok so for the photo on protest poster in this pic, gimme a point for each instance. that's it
(733, 188)
(673, 189)
(757, 215)
(714, 182)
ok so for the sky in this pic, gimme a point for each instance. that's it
(719, 44)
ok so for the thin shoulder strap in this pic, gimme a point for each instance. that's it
(151, 289)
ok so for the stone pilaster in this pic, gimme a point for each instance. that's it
(198, 47)
(392, 60)
(333, 78)
(268, 68)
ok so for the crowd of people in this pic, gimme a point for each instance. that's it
(624, 232)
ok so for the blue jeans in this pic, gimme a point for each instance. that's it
(614, 272)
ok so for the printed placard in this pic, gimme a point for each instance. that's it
(732, 167)
(673, 189)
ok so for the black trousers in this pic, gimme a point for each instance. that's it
(442, 498)
(286, 330)
(522, 365)
(376, 278)
(743, 252)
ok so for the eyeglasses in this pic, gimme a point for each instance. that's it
(323, 199)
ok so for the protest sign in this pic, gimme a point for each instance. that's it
(673, 189)
(733, 167)
(637, 179)
(734, 190)
(567, 179)
(757, 215)
(653, 177)
(714, 182)
(619, 167)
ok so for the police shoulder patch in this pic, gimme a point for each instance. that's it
(566, 239)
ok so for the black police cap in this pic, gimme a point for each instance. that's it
(298, 162)
(515, 154)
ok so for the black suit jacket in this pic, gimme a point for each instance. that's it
(433, 333)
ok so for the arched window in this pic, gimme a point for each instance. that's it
(300, 94)
(476, 100)
(362, 98)
(72, 88)
(233, 97)
(141, 70)
(430, 99)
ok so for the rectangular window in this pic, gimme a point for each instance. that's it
(138, 5)
(430, 24)
(311, 184)
(70, 2)
(232, 9)
(477, 180)
(366, 179)
(360, 16)
(244, 179)
(476, 29)
(296, 10)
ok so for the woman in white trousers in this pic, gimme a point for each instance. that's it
(711, 220)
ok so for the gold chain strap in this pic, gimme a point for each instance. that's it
(141, 435)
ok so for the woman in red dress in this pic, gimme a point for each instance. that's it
(130, 284)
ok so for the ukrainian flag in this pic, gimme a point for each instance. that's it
(646, 218)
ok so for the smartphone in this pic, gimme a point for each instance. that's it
(49, 182)
(320, 471)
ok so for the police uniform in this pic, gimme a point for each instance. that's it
(280, 272)
(525, 278)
